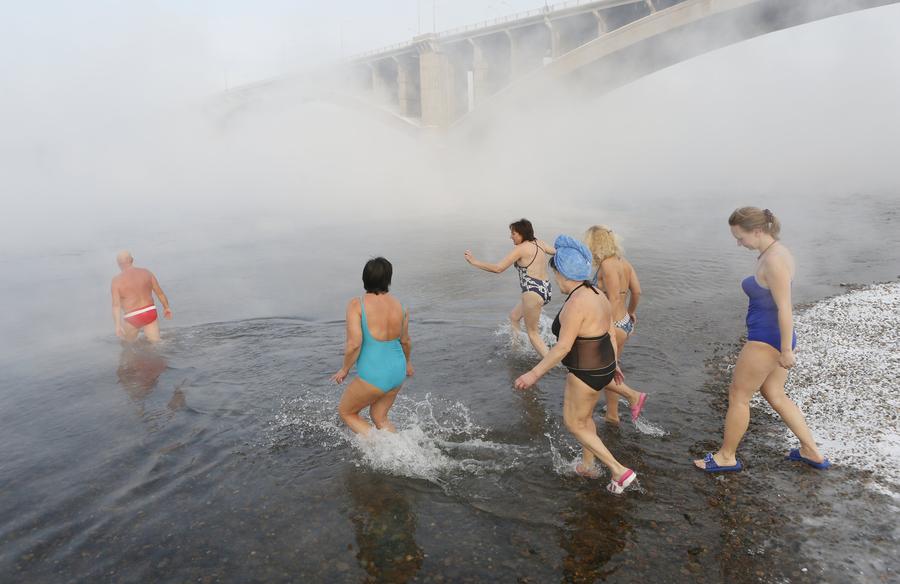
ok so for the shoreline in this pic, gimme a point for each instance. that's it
(846, 376)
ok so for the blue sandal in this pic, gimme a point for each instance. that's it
(795, 455)
(713, 466)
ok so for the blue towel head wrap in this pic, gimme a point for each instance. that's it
(573, 259)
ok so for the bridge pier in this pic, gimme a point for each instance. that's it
(408, 95)
(438, 92)
(384, 81)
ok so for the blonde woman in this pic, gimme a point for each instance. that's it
(617, 278)
(768, 354)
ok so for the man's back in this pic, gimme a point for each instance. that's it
(134, 287)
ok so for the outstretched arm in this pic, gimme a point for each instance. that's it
(162, 297)
(548, 249)
(570, 322)
(501, 266)
(354, 340)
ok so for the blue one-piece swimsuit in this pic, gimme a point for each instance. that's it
(381, 363)
(762, 315)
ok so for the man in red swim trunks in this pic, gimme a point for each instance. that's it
(132, 292)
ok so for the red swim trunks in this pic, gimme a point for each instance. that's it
(141, 317)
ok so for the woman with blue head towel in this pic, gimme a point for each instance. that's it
(378, 343)
(584, 346)
(768, 354)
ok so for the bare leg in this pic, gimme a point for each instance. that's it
(357, 396)
(773, 391)
(379, 410)
(755, 363)
(625, 391)
(515, 316)
(532, 304)
(578, 407)
(587, 457)
(612, 400)
(151, 331)
(131, 333)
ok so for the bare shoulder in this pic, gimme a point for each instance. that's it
(610, 263)
(781, 260)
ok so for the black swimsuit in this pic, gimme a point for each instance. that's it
(592, 359)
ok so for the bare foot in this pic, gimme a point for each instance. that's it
(613, 421)
(591, 472)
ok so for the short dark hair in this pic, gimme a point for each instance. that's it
(377, 275)
(524, 228)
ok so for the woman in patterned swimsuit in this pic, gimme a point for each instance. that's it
(530, 258)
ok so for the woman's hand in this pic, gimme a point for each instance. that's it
(618, 376)
(340, 376)
(633, 318)
(526, 380)
(787, 359)
(468, 255)
(410, 370)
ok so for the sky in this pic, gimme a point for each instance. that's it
(206, 45)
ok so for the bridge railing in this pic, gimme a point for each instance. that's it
(547, 9)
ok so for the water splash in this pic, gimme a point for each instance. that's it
(519, 345)
(438, 440)
(644, 426)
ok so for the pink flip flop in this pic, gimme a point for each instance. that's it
(636, 410)
(617, 487)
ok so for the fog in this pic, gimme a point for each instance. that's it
(129, 133)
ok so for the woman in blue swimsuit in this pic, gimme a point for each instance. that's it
(378, 343)
(769, 352)
(529, 256)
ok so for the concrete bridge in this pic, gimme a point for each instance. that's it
(439, 80)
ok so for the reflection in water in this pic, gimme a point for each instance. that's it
(385, 528)
(140, 368)
(596, 530)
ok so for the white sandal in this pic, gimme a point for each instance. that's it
(617, 487)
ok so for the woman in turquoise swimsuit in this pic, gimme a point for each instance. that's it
(769, 352)
(378, 342)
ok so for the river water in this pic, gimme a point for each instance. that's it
(219, 456)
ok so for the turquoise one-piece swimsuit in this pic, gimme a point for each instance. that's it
(381, 363)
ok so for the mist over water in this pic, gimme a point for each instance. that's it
(257, 217)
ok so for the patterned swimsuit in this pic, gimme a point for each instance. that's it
(530, 284)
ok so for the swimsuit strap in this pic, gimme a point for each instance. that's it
(584, 284)
(365, 323)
